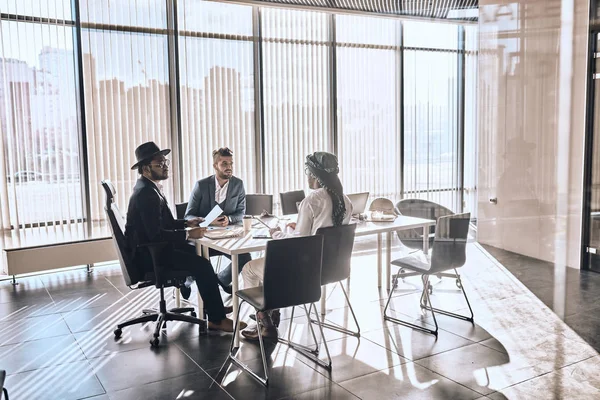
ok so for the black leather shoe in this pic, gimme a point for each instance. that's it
(185, 291)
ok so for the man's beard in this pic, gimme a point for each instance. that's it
(156, 176)
(224, 175)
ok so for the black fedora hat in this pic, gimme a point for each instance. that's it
(148, 151)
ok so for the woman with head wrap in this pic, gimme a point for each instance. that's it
(325, 206)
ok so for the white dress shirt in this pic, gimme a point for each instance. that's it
(315, 212)
(220, 191)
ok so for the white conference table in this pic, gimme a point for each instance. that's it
(246, 244)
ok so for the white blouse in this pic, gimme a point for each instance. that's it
(315, 212)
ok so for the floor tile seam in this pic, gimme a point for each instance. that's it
(116, 288)
(309, 363)
(428, 369)
(161, 380)
(46, 366)
(453, 381)
(327, 379)
(48, 337)
(430, 355)
(90, 366)
(308, 391)
(202, 369)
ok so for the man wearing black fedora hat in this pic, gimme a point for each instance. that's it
(149, 219)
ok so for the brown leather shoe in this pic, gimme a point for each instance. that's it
(226, 325)
(267, 332)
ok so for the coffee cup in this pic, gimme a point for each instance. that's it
(247, 222)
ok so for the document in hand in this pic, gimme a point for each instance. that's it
(212, 215)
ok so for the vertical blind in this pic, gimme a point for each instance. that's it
(368, 105)
(295, 94)
(126, 86)
(216, 89)
(40, 190)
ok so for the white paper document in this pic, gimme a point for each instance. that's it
(212, 215)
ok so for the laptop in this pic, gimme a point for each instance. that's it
(359, 202)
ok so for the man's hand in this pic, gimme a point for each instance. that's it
(194, 222)
(221, 221)
(196, 233)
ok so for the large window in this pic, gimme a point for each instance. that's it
(216, 89)
(368, 105)
(296, 98)
(432, 139)
(40, 172)
(126, 84)
(396, 100)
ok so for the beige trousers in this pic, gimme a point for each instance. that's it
(253, 273)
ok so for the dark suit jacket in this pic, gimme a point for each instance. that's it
(149, 219)
(202, 199)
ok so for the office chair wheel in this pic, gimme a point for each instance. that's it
(193, 314)
(118, 332)
(154, 342)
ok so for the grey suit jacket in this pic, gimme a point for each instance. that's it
(202, 199)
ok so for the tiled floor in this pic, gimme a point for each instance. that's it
(56, 341)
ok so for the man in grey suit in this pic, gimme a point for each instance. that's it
(227, 191)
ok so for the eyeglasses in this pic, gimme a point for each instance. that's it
(163, 164)
(226, 164)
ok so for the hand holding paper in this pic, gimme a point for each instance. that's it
(212, 215)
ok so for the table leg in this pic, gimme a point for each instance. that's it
(388, 260)
(323, 299)
(202, 251)
(234, 298)
(425, 239)
(379, 260)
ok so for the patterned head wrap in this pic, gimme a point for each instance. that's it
(324, 167)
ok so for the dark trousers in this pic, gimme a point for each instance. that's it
(225, 274)
(185, 258)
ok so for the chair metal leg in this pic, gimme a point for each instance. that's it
(339, 328)
(307, 351)
(425, 297)
(297, 346)
(233, 352)
(451, 314)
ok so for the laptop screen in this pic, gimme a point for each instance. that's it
(359, 202)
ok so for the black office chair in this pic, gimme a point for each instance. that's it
(2, 388)
(161, 277)
(448, 253)
(413, 238)
(256, 204)
(338, 242)
(180, 210)
(292, 278)
(289, 201)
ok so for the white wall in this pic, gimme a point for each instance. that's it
(532, 87)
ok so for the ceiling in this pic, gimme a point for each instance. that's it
(461, 10)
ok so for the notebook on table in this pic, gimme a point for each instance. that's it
(224, 233)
